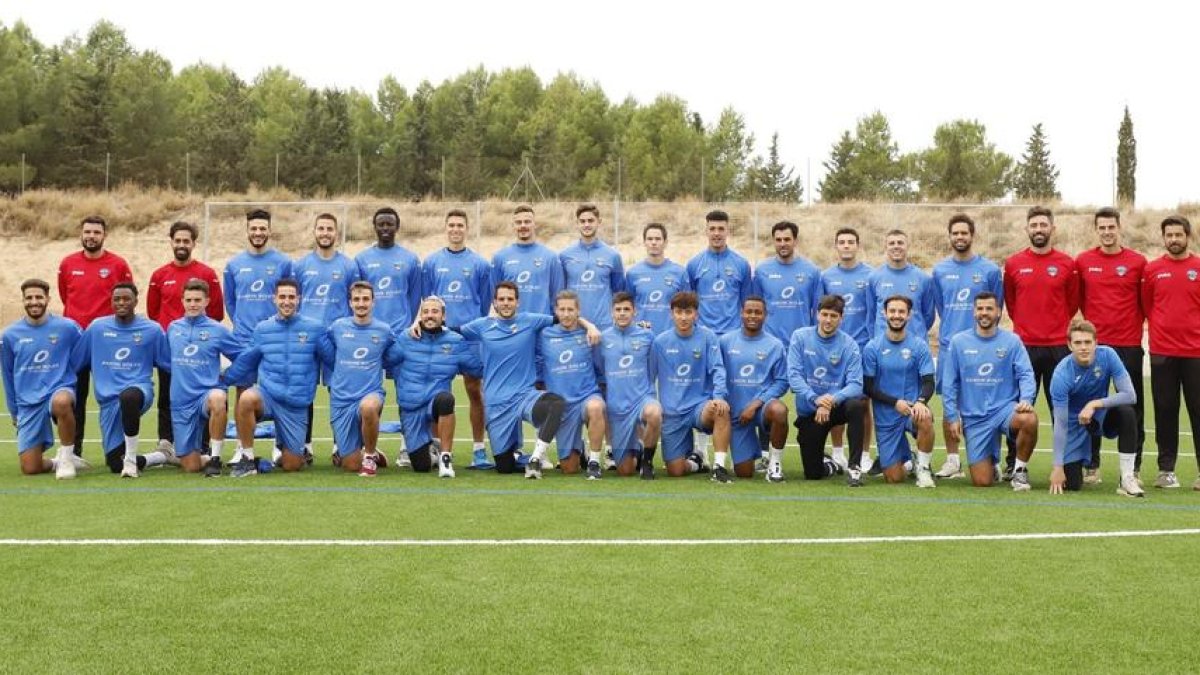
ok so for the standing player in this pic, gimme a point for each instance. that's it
(325, 275)
(849, 279)
(624, 358)
(686, 363)
(199, 401)
(429, 363)
(1041, 290)
(393, 271)
(123, 350)
(1110, 285)
(592, 269)
(285, 360)
(533, 267)
(825, 370)
(720, 276)
(655, 280)
(790, 285)
(568, 368)
(507, 344)
(357, 349)
(85, 283)
(250, 278)
(39, 383)
(164, 304)
(463, 280)
(1171, 299)
(898, 376)
(898, 276)
(756, 374)
(957, 279)
(1083, 410)
(989, 389)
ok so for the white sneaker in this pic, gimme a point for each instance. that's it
(763, 465)
(167, 448)
(445, 468)
(533, 469)
(1129, 487)
(129, 470)
(64, 468)
(1167, 480)
(80, 463)
(924, 478)
(951, 468)
(774, 472)
(402, 461)
(866, 463)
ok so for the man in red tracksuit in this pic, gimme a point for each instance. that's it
(1041, 291)
(1110, 286)
(1171, 300)
(164, 304)
(85, 283)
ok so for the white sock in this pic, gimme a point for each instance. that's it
(539, 449)
(839, 454)
(924, 458)
(720, 458)
(155, 458)
(996, 466)
(66, 451)
(953, 459)
(477, 446)
(593, 456)
(1019, 465)
(308, 447)
(276, 454)
(775, 456)
(131, 443)
(215, 448)
(1127, 460)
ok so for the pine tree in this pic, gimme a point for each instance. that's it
(1036, 176)
(772, 180)
(840, 183)
(1126, 162)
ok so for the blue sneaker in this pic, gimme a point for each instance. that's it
(265, 465)
(479, 461)
(243, 468)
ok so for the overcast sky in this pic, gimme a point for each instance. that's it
(806, 71)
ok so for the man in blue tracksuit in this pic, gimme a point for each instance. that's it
(898, 276)
(592, 269)
(286, 358)
(198, 398)
(250, 277)
(532, 266)
(790, 285)
(393, 271)
(686, 363)
(123, 350)
(567, 367)
(1084, 409)
(849, 279)
(825, 371)
(720, 277)
(989, 390)
(357, 349)
(39, 382)
(756, 375)
(623, 356)
(428, 365)
(655, 280)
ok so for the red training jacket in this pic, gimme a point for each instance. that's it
(1171, 300)
(85, 285)
(1110, 288)
(164, 299)
(1042, 296)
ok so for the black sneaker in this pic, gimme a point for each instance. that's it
(875, 470)
(696, 458)
(854, 478)
(609, 462)
(243, 468)
(832, 468)
(647, 470)
(593, 470)
(1008, 473)
(721, 475)
(213, 468)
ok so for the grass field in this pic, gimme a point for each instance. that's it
(1085, 604)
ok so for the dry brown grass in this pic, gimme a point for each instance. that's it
(40, 227)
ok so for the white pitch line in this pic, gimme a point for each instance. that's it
(438, 543)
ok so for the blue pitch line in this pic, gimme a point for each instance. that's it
(497, 492)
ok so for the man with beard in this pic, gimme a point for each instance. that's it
(164, 304)
(1110, 285)
(1041, 290)
(250, 278)
(592, 269)
(122, 351)
(85, 283)
(1171, 299)
(533, 267)
(790, 285)
(39, 383)
(989, 390)
(463, 280)
(957, 279)
(624, 358)
(898, 376)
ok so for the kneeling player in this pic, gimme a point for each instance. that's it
(756, 374)
(424, 376)
(357, 349)
(824, 368)
(39, 383)
(197, 343)
(285, 355)
(1083, 409)
(123, 350)
(624, 356)
(568, 369)
(686, 363)
(989, 391)
(898, 377)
